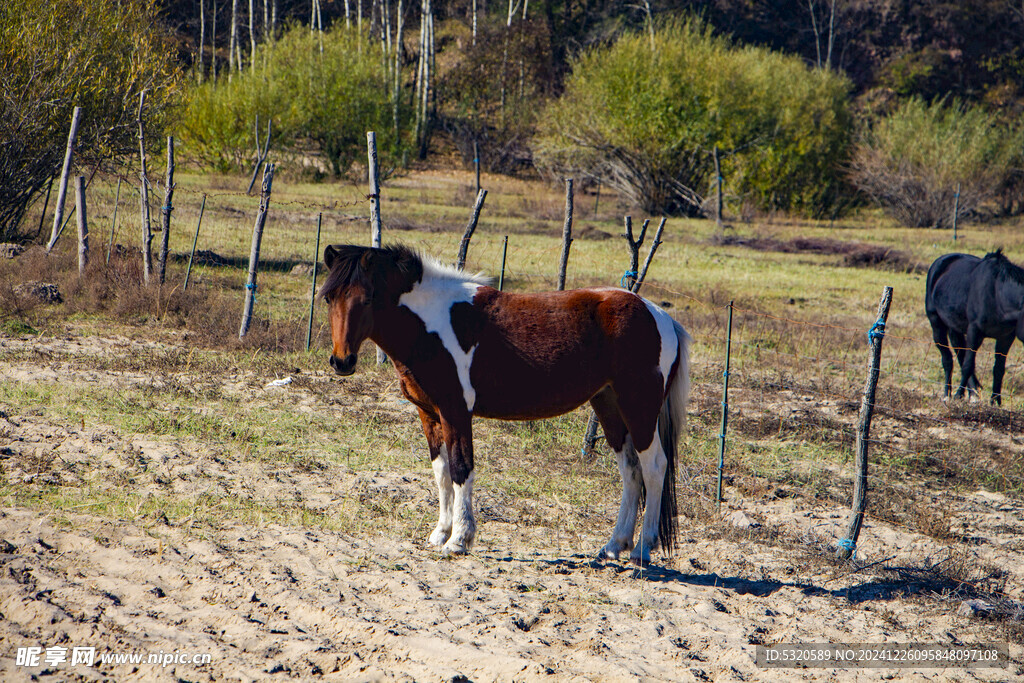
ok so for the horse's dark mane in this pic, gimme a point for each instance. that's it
(1004, 267)
(348, 269)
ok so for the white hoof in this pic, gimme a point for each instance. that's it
(439, 536)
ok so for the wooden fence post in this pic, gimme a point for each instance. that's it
(847, 546)
(374, 197)
(650, 256)
(460, 262)
(261, 156)
(566, 234)
(62, 189)
(147, 233)
(630, 276)
(254, 252)
(718, 185)
(956, 209)
(725, 410)
(166, 211)
(312, 292)
(113, 221)
(195, 239)
(83, 225)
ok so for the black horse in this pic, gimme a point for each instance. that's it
(970, 298)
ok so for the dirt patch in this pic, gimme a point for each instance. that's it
(855, 254)
(279, 561)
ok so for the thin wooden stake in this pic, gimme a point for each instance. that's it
(46, 204)
(254, 253)
(470, 229)
(166, 211)
(650, 257)
(504, 252)
(566, 235)
(847, 546)
(374, 197)
(83, 225)
(113, 222)
(956, 209)
(195, 239)
(62, 189)
(718, 202)
(725, 410)
(312, 291)
(261, 156)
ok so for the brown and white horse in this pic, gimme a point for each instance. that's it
(463, 349)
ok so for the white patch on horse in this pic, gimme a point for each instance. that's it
(445, 498)
(464, 526)
(431, 299)
(669, 340)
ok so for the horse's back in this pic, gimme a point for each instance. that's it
(947, 288)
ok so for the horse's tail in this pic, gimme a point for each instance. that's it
(671, 426)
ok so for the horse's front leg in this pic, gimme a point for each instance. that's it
(442, 475)
(973, 341)
(999, 368)
(458, 440)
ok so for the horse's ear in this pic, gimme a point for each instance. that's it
(330, 254)
(366, 260)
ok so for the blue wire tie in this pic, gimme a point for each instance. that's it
(877, 330)
(251, 287)
(848, 544)
(626, 275)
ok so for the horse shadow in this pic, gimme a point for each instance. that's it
(905, 582)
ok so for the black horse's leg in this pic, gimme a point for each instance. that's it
(973, 342)
(458, 439)
(442, 475)
(999, 368)
(940, 334)
(959, 343)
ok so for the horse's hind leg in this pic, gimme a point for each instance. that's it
(653, 463)
(606, 407)
(940, 335)
(999, 368)
(442, 475)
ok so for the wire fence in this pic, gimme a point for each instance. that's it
(795, 384)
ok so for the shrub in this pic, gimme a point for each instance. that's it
(645, 114)
(911, 161)
(321, 102)
(95, 54)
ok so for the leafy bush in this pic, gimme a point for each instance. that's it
(911, 161)
(645, 114)
(321, 102)
(95, 54)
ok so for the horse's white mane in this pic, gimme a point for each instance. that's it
(432, 268)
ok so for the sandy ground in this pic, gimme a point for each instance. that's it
(269, 601)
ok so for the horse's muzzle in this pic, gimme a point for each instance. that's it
(344, 366)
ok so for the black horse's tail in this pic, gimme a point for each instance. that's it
(671, 425)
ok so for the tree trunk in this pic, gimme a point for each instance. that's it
(62, 189)
(202, 40)
(252, 36)
(398, 68)
(233, 46)
(213, 41)
(147, 234)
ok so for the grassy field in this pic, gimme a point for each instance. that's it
(138, 408)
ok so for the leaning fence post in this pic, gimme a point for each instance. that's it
(62, 189)
(566, 234)
(147, 233)
(847, 546)
(629, 277)
(312, 292)
(374, 197)
(460, 262)
(650, 256)
(195, 239)
(725, 410)
(166, 211)
(254, 253)
(83, 225)
(113, 222)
